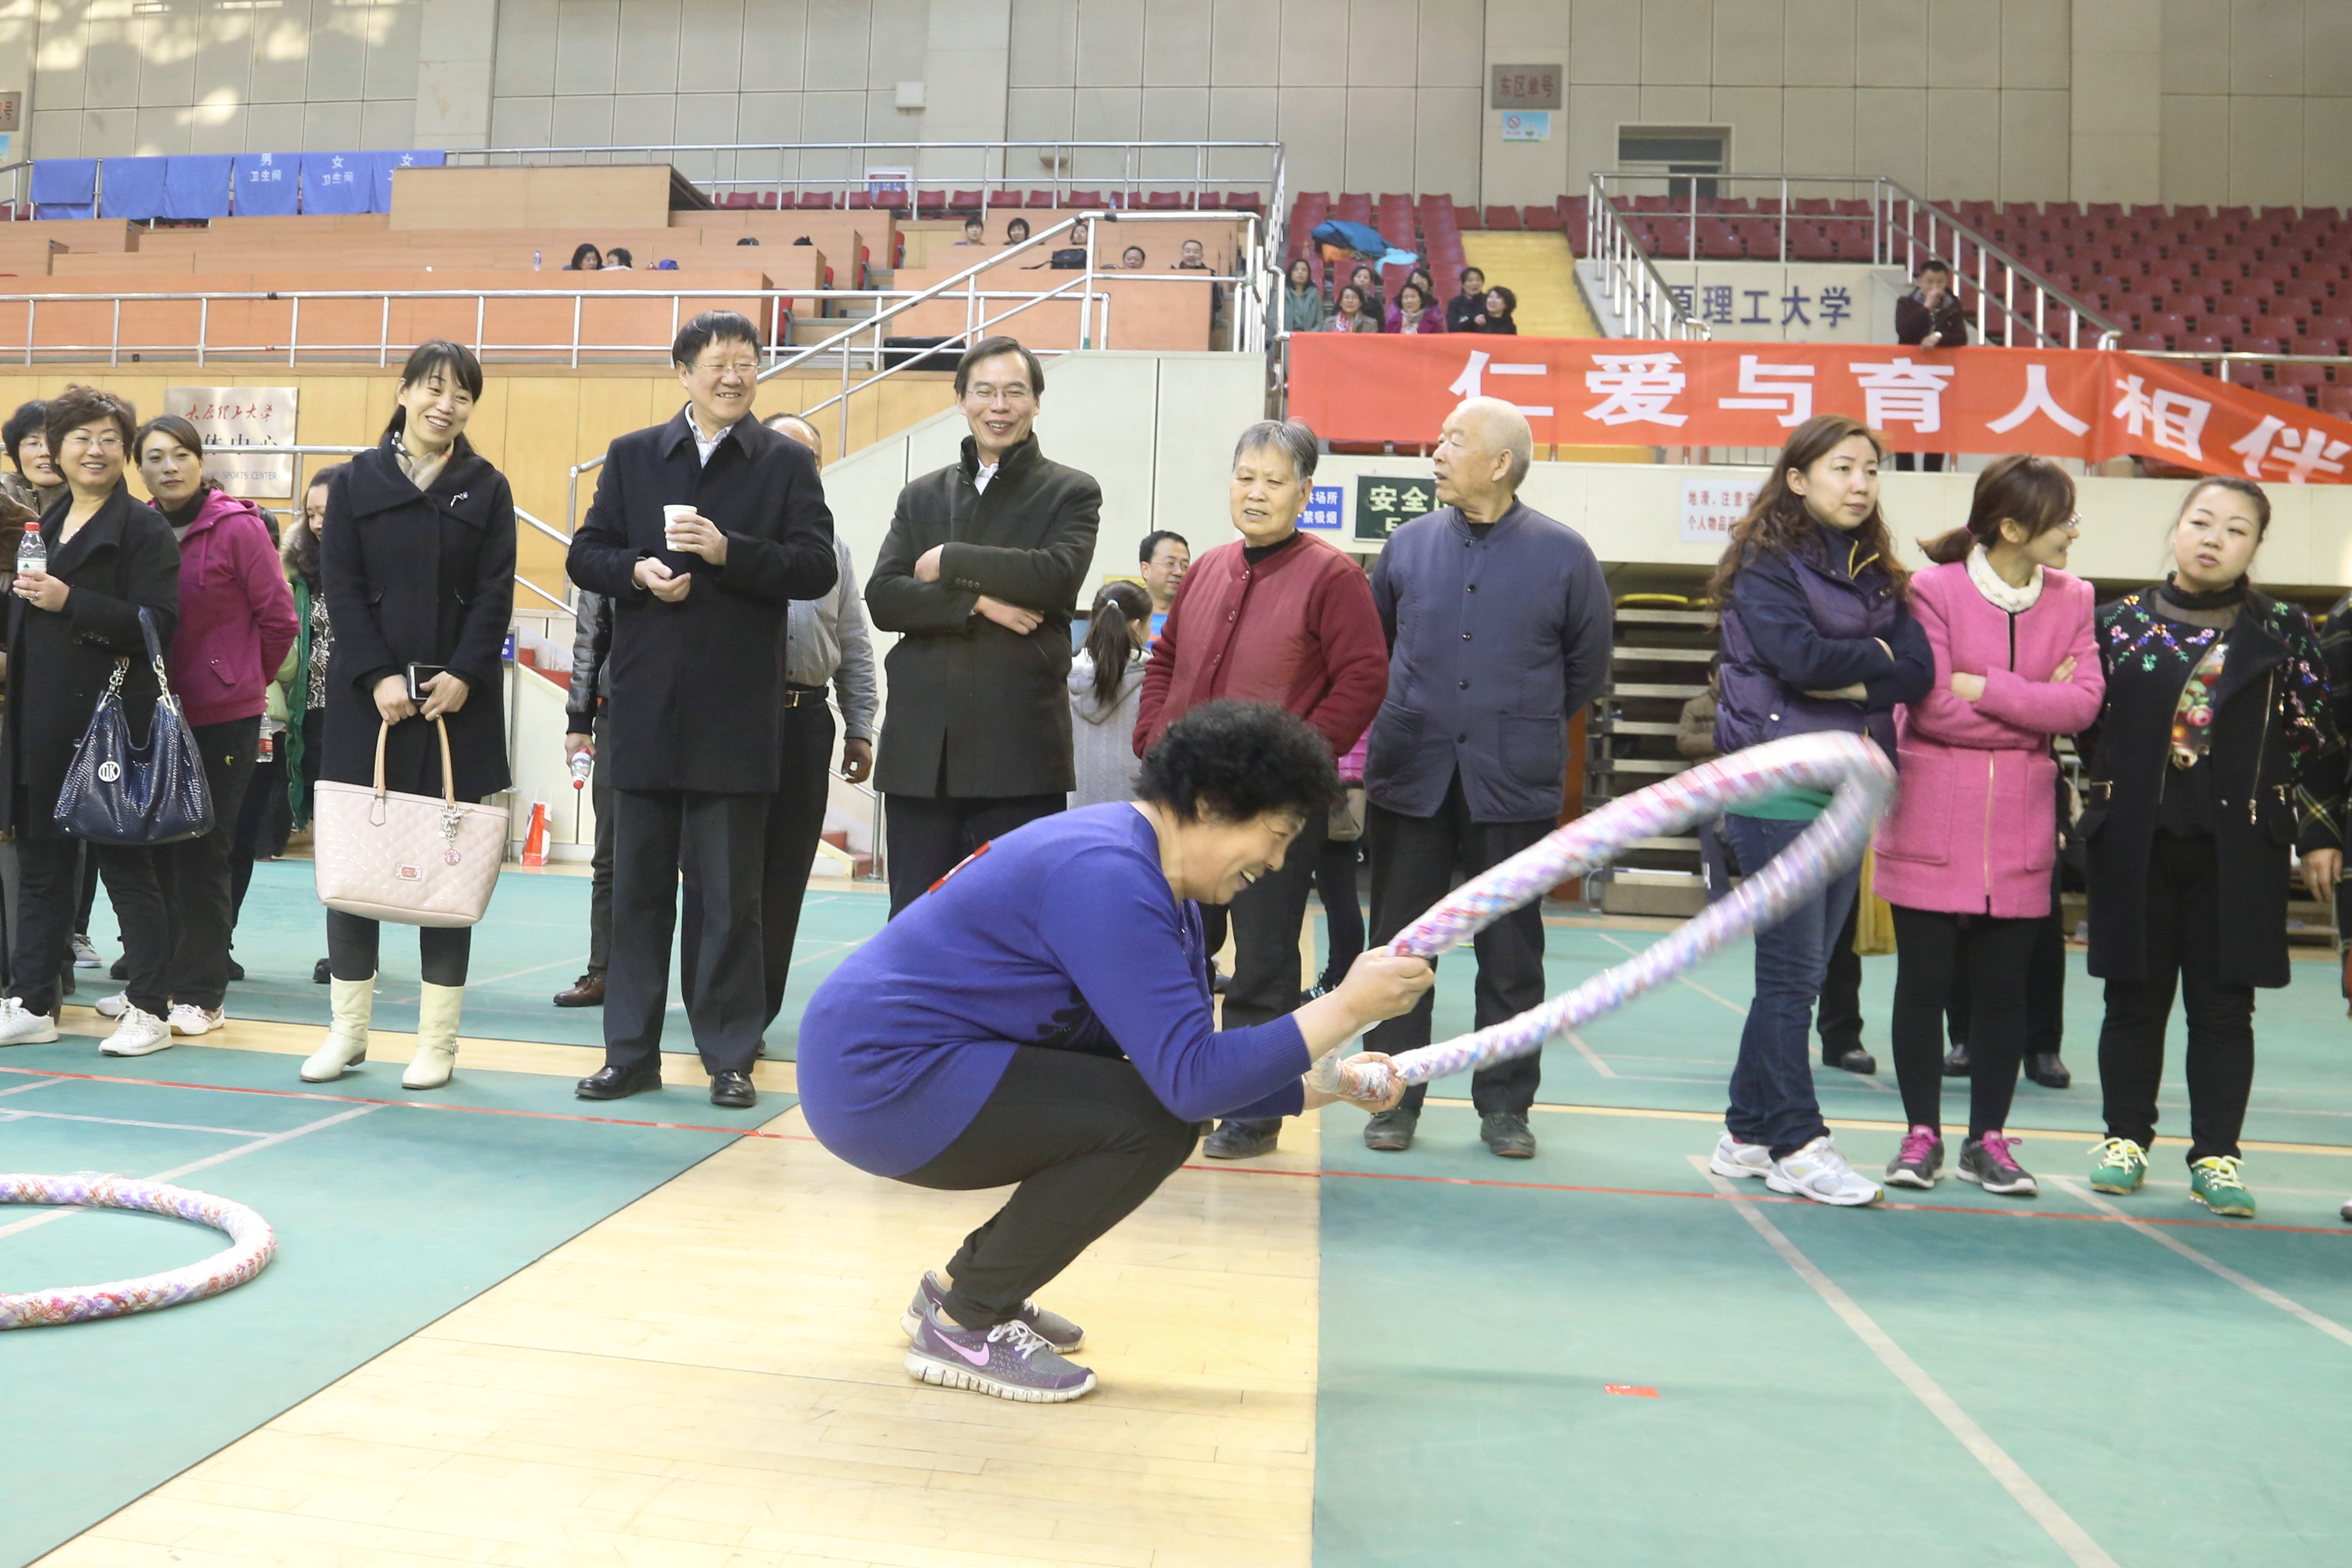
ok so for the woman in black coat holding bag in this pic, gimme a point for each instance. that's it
(109, 557)
(419, 556)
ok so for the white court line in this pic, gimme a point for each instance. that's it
(2260, 1292)
(30, 1088)
(2071, 1538)
(1866, 1080)
(14, 1115)
(51, 1217)
(1589, 1054)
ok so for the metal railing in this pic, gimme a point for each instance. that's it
(2012, 303)
(20, 187)
(1639, 299)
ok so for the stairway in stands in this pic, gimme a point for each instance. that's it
(1541, 270)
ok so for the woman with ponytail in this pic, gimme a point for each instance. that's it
(1105, 692)
(1815, 637)
(1967, 854)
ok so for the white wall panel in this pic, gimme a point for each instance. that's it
(1449, 47)
(1446, 142)
(1110, 43)
(1676, 42)
(2196, 46)
(1176, 45)
(2266, 47)
(1890, 43)
(393, 37)
(835, 55)
(1036, 114)
(522, 123)
(897, 42)
(1675, 104)
(1753, 115)
(216, 128)
(1594, 113)
(1604, 46)
(111, 62)
(776, 46)
(386, 123)
(1380, 140)
(768, 117)
(2034, 133)
(2196, 149)
(1315, 42)
(1818, 49)
(166, 43)
(1383, 37)
(2034, 43)
(281, 53)
(1045, 51)
(581, 122)
(110, 132)
(1963, 44)
(1963, 143)
(648, 58)
(2327, 54)
(527, 46)
(711, 45)
(1244, 43)
(1253, 114)
(1315, 131)
(706, 117)
(1747, 46)
(2326, 139)
(587, 45)
(331, 127)
(159, 132)
(2265, 150)
(1817, 129)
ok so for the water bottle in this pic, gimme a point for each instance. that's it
(582, 764)
(534, 261)
(32, 553)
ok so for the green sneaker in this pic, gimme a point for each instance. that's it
(2214, 1182)
(2122, 1166)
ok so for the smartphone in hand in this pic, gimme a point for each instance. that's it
(419, 677)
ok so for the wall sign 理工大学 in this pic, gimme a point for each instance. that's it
(228, 417)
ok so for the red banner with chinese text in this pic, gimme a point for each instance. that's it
(1613, 392)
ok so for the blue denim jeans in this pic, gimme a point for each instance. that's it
(1772, 1097)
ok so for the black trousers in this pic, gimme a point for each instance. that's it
(1417, 860)
(796, 819)
(193, 874)
(930, 835)
(600, 861)
(1932, 949)
(261, 828)
(45, 916)
(1343, 915)
(1838, 1016)
(719, 842)
(1087, 1142)
(2045, 987)
(442, 952)
(2184, 943)
(1265, 921)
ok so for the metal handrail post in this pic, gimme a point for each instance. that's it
(575, 331)
(114, 349)
(294, 331)
(384, 335)
(203, 326)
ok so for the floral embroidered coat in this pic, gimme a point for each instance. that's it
(2278, 776)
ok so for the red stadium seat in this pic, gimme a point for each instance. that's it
(965, 201)
(1004, 199)
(1245, 202)
(2272, 327)
(1547, 219)
(2198, 343)
(931, 201)
(2336, 400)
(1501, 217)
(814, 201)
(1039, 200)
(1164, 201)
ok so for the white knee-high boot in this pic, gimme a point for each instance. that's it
(437, 1036)
(352, 1003)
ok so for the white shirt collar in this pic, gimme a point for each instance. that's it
(980, 477)
(2016, 601)
(705, 445)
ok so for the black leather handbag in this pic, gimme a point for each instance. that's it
(119, 791)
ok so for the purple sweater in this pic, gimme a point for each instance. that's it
(1062, 935)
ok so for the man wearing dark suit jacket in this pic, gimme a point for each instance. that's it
(697, 671)
(985, 562)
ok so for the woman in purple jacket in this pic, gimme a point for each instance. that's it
(237, 621)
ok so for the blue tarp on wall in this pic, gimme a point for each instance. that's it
(197, 187)
(337, 182)
(267, 186)
(65, 188)
(133, 188)
(380, 199)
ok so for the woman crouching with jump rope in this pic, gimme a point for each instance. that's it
(2216, 754)
(1815, 637)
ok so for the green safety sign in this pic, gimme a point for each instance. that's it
(1382, 503)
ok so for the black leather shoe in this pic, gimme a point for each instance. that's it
(1391, 1131)
(1956, 1061)
(121, 970)
(1508, 1135)
(588, 990)
(236, 969)
(1852, 1059)
(319, 973)
(2045, 1069)
(733, 1090)
(1241, 1140)
(619, 1083)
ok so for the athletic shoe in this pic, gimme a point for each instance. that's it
(2347, 1211)
(187, 1018)
(1056, 1330)
(1733, 1158)
(1820, 1172)
(85, 955)
(2120, 1167)
(2214, 1182)
(20, 1027)
(1987, 1161)
(1919, 1162)
(141, 1034)
(111, 1006)
(1011, 1360)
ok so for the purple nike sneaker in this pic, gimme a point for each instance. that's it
(1056, 1330)
(1011, 1360)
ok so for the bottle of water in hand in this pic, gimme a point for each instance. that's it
(32, 553)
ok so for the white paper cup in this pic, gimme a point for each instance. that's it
(670, 516)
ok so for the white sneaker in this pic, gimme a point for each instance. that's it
(1733, 1158)
(141, 1034)
(187, 1018)
(20, 1027)
(84, 955)
(111, 1006)
(1820, 1172)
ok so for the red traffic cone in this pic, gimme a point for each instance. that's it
(534, 844)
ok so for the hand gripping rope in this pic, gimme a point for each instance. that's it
(1857, 770)
(252, 1245)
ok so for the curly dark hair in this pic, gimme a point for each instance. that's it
(78, 405)
(28, 417)
(1239, 760)
(1778, 524)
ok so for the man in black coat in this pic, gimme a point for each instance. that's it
(697, 671)
(984, 565)
(1930, 317)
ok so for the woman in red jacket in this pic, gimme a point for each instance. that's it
(1965, 858)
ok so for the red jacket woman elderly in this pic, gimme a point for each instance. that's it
(1276, 616)
(1966, 856)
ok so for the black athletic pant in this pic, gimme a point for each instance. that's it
(442, 952)
(1417, 860)
(1086, 1140)
(1343, 916)
(261, 829)
(193, 874)
(2183, 911)
(1931, 946)
(86, 894)
(1839, 1015)
(44, 911)
(1265, 918)
(930, 835)
(2045, 986)
(719, 842)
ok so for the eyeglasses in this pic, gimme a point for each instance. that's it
(739, 368)
(108, 442)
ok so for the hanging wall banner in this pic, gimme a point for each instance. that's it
(1613, 392)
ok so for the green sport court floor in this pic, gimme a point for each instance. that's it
(1604, 1356)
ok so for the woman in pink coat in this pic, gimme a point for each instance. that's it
(1966, 855)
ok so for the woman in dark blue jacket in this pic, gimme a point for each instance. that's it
(1815, 637)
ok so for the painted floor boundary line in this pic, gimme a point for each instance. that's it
(8, 1113)
(1867, 1081)
(2071, 1538)
(2259, 1291)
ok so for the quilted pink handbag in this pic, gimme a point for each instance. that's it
(411, 860)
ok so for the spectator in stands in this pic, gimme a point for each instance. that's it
(747, 239)
(1189, 258)
(109, 558)
(1132, 259)
(1930, 317)
(1017, 232)
(1277, 616)
(2187, 892)
(1419, 277)
(1499, 628)
(1354, 313)
(586, 257)
(618, 259)
(975, 230)
(1303, 309)
(1368, 288)
(696, 760)
(306, 680)
(1413, 312)
(34, 482)
(1163, 561)
(1815, 637)
(235, 627)
(1467, 311)
(418, 549)
(1502, 311)
(1106, 688)
(984, 560)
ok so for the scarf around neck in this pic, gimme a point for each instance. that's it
(1997, 590)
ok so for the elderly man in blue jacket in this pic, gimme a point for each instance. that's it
(1498, 624)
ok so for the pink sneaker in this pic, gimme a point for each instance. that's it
(1919, 1162)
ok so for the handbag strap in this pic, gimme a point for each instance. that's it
(154, 648)
(448, 782)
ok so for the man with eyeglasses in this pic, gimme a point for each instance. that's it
(703, 532)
